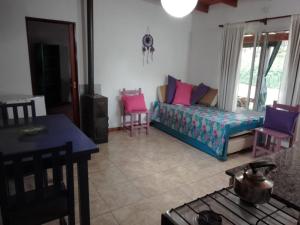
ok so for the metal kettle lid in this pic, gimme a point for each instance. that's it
(251, 172)
(258, 176)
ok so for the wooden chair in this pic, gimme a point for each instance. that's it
(24, 106)
(272, 135)
(44, 203)
(135, 117)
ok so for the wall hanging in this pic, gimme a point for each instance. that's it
(148, 48)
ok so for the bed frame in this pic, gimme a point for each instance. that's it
(238, 140)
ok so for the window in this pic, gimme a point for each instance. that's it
(261, 69)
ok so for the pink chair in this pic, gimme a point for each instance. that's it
(135, 117)
(273, 139)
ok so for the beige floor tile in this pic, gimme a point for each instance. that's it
(148, 211)
(156, 184)
(119, 195)
(141, 213)
(99, 165)
(206, 185)
(105, 219)
(109, 175)
(135, 179)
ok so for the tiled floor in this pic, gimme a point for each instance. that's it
(133, 180)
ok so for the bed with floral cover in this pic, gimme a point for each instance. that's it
(206, 128)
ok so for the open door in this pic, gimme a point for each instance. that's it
(53, 65)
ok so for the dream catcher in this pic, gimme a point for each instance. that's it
(148, 48)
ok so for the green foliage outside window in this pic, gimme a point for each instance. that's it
(275, 74)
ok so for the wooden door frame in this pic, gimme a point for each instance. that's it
(73, 62)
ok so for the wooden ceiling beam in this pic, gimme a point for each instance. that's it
(272, 38)
(202, 7)
(232, 3)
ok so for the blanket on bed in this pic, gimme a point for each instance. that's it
(208, 125)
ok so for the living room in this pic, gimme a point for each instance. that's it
(241, 56)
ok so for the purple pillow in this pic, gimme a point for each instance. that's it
(198, 93)
(171, 89)
(280, 120)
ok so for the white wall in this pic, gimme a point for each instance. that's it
(14, 62)
(119, 28)
(206, 35)
(187, 48)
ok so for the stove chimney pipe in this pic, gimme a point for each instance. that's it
(90, 47)
(93, 106)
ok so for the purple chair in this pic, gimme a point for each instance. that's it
(273, 138)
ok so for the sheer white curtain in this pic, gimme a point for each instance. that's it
(232, 40)
(291, 89)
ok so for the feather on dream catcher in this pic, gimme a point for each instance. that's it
(148, 48)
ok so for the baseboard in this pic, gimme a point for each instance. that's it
(115, 129)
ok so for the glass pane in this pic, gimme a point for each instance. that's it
(274, 77)
(244, 76)
(244, 86)
(274, 73)
(254, 78)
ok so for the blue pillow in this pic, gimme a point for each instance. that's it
(171, 89)
(198, 93)
(279, 120)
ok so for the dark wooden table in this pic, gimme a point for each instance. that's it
(58, 130)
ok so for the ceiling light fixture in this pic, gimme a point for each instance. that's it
(179, 8)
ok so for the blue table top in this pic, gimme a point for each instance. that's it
(58, 130)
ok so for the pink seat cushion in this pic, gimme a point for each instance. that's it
(134, 103)
(183, 94)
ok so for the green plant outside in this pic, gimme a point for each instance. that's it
(275, 74)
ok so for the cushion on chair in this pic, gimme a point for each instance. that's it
(171, 89)
(280, 120)
(162, 93)
(134, 103)
(198, 93)
(210, 98)
(183, 93)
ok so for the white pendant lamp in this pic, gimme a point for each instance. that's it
(179, 8)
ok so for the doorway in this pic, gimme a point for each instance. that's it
(53, 65)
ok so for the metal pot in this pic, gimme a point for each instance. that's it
(252, 185)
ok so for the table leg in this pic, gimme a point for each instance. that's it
(83, 192)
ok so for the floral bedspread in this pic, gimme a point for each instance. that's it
(208, 125)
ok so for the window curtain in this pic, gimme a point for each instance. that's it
(232, 40)
(293, 66)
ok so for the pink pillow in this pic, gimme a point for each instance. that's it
(183, 93)
(134, 103)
